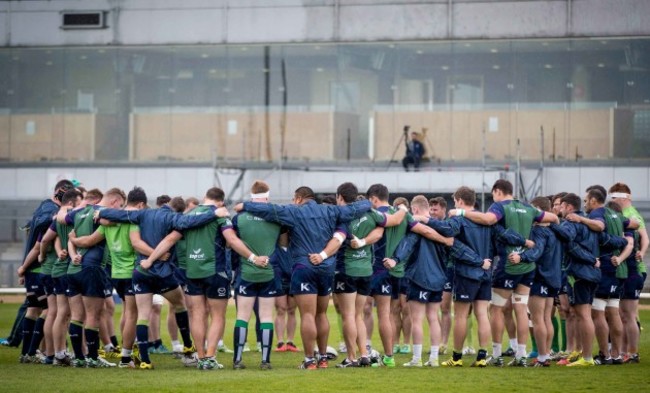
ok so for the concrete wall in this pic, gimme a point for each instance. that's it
(151, 22)
(36, 183)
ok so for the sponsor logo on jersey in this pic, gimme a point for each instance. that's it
(197, 254)
(518, 210)
(360, 254)
(117, 246)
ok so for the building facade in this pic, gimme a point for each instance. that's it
(207, 81)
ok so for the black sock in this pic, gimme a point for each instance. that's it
(482, 354)
(28, 332)
(183, 322)
(157, 343)
(76, 332)
(37, 336)
(114, 341)
(457, 356)
(142, 334)
(92, 342)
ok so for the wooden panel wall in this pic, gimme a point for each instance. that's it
(38, 137)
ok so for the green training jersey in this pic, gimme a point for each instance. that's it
(50, 259)
(614, 226)
(631, 212)
(181, 253)
(118, 243)
(358, 262)
(519, 217)
(393, 236)
(61, 267)
(84, 225)
(200, 245)
(261, 237)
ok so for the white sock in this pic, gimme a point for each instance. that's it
(60, 354)
(126, 352)
(513, 343)
(542, 358)
(496, 350)
(521, 350)
(417, 352)
(434, 352)
(109, 347)
(220, 343)
(176, 343)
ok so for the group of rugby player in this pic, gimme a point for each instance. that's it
(516, 257)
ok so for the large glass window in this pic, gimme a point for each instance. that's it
(327, 102)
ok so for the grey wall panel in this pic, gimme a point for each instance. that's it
(37, 23)
(607, 17)
(393, 22)
(185, 26)
(291, 24)
(509, 19)
(37, 183)
(43, 28)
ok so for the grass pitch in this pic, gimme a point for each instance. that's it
(171, 376)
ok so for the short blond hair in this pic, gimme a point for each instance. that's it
(115, 192)
(420, 201)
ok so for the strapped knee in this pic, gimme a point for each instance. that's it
(157, 300)
(498, 300)
(519, 299)
(599, 304)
